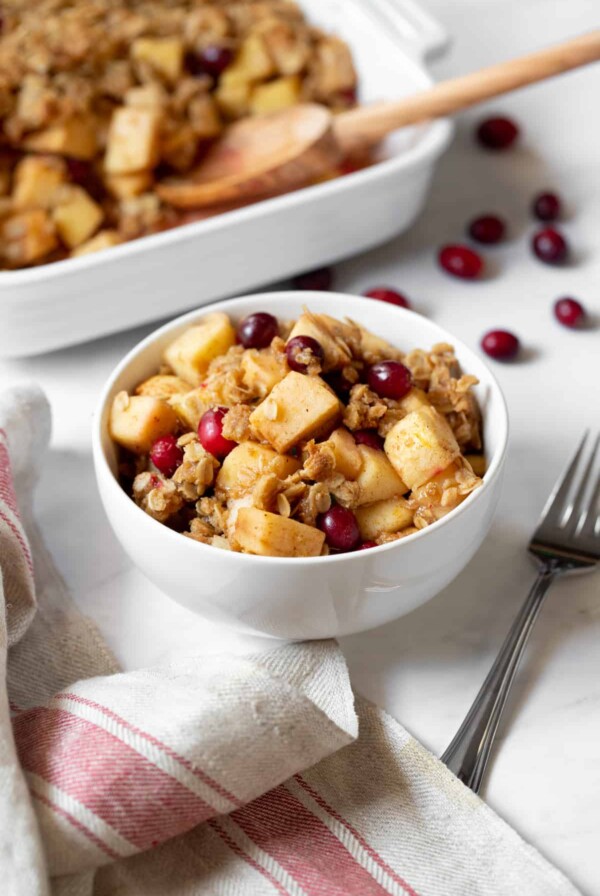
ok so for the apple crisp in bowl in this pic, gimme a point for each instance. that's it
(272, 426)
(298, 438)
(100, 100)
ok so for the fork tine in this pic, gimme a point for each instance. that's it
(591, 523)
(578, 509)
(554, 509)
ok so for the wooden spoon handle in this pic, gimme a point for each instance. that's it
(367, 125)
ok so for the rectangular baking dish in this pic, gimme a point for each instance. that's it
(55, 305)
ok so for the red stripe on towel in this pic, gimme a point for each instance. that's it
(7, 491)
(237, 849)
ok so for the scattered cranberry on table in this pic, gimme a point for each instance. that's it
(383, 294)
(320, 280)
(366, 545)
(257, 330)
(166, 455)
(550, 246)
(487, 229)
(340, 528)
(368, 437)
(300, 347)
(210, 433)
(546, 207)
(497, 133)
(390, 379)
(500, 344)
(460, 261)
(212, 60)
(569, 312)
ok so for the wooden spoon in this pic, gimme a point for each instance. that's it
(288, 149)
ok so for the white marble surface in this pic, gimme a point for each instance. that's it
(426, 668)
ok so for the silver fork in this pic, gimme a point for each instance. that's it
(567, 539)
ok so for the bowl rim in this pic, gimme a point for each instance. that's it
(102, 467)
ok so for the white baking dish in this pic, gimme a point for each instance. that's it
(71, 301)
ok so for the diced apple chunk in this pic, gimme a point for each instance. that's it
(443, 492)
(374, 348)
(389, 516)
(163, 54)
(421, 445)
(163, 385)
(136, 421)
(348, 459)
(327, 332)
(248, 461)
(36, 181)
(252, 63)
(414, 400)
(233, 99)
(275, 95)
(76, 137)
(377, 478)
(190, 406)
(126, 186)
(191, 353)
(259, 532)
(26, 237)
(133, 140)
(76, 216)
(262, 370)
(299, 407)
(103, 240)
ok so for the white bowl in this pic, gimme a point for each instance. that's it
(300, 598)
(53, 305)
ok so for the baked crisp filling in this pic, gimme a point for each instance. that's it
(100, 100)
(310, 437)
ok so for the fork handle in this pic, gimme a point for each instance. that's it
(468, 754)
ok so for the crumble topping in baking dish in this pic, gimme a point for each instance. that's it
(289, 445)
(101, 99)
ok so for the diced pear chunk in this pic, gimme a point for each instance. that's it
(190, 406)
(275, 95)
(374, 348)
(191, 353)
(377, 478)
(421, 445)
(299, 407)
(233, 98)
(136, 421)
(262, 370)
(248, 461)
(260, 532)
(36, 181)
(103, 240)
(414, 400)
(126, 186)
(327, 332)
(133, 140)
(252, 63)
(76, 137)
(163, 385)
(163, 54)
(26, 237)
(387, 516)
(76, 216)
(348, 459)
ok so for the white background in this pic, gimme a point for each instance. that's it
(425, 669)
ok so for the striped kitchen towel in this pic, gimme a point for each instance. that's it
(228, 776)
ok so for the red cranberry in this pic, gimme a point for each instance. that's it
(388, 295)
(487, 229)
(550, 246)
(500, 344)
(210, 433)
(390, 379)
(257, 330)
(338, 382)
(497, 133)
(460, 261)
(340, 528)
(349, 96)
(569, 312)
(369, 437)
(350, 166)
(546, 207)
(212, 60)
(367, 544)
(320, 280)
(166, 455)
(301, 350)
